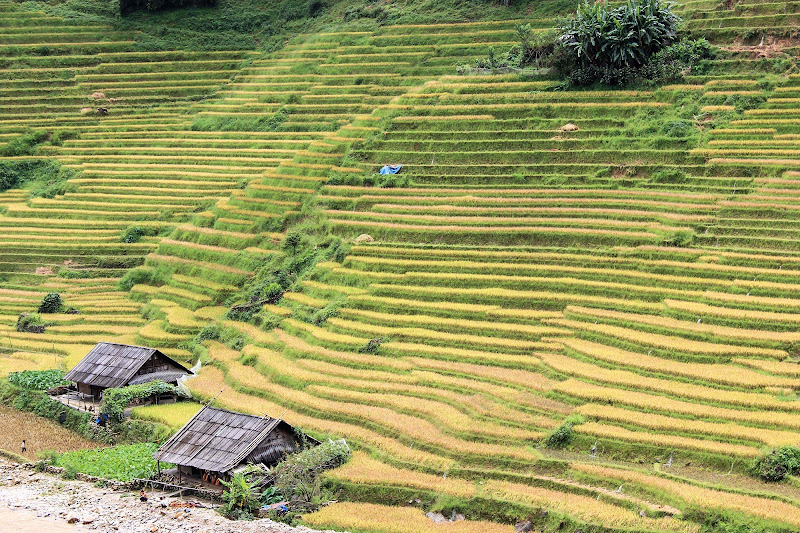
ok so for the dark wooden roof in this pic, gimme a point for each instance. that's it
(216, 439)
(113, 365)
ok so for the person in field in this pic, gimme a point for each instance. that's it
(24, 447)
(142, 496)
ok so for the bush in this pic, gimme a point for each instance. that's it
(777, 464)
(30, 323)
(44, 178)
(70, 273)
(292, 241)
(157, 276)
(210, 332)
(621, 37)
(241, 499)
(372, 346)
(297, 476)
(742, 103)
(680, 238)
(51, 303)
(115, 400)
(669, 175)
(619, 45)
(132, 234)
(535, 49)
(24, 144)
(677, 128)
(561, 436)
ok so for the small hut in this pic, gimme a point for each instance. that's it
(215, 442)
(117, 365)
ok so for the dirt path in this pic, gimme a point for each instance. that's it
(32, 502)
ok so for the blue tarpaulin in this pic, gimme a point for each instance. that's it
(391, 169)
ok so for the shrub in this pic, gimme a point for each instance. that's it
(241, 499)
(625, 36)
(534, 50)
(58, 138)
(132, 234)
(115, 400)
(391, 181)
(680, 238)
(292, 241)
(31, 323)
(322, 316)
(619, 45)
(669, 175)
(24, 144)
(742, 103)
(44, 178)
(51, 303)
(70, 273)
(297, 476)
(777, 464)
(677, 128)
(135, 276)
(561, 436)
(70, 472)
(372, 346)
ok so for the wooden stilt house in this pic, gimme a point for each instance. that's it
(215, 442)
(117, 365)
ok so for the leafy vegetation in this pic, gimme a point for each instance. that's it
(620, 45)
(37, 379)
(298, 476)
(24, 145)
(241, 499)
(31, 322)
(777, 463)
(617, 38)
(121, 462)
(42, 177)
(116, 400)
(231, 123)
(132, 234)
(562, 435)
(51, 303)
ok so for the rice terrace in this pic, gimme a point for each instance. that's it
(403, 266)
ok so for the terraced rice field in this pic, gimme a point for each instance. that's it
(523, 275)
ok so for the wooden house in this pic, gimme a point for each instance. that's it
(117, 365)
(215, 442)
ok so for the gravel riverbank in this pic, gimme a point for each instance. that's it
(36, 501)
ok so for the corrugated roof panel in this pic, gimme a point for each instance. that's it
(222, 437)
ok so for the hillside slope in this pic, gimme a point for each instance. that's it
(635, 275)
